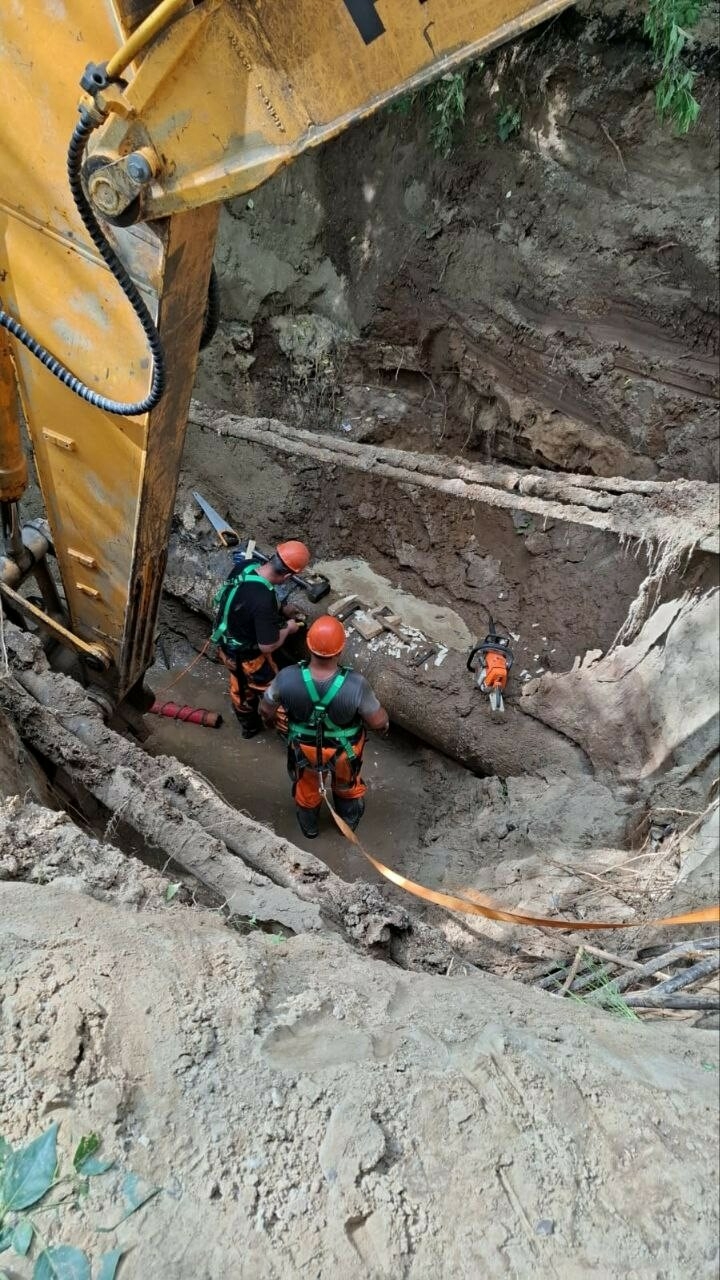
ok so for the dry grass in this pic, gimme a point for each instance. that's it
(647, 878)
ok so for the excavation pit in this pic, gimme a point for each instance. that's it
(511, 806)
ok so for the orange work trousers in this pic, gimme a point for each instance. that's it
(249, 679)
(345, 775)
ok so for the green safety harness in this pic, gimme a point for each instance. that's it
(319, 724)
(223, 602)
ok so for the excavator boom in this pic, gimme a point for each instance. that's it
(189, 103)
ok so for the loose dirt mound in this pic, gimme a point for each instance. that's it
(39, 845)
(310, 1112)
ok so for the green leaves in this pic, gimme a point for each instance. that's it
(62, 1262)
(674, 98)
(87, 1146)
(667, 24)
(84, 1162)
(171, 890)
(28, 1174)
(446, 102)
(402, 106)
(92, 1168)
(22, 1236)
(507, 122)
(136, 1192)
(109, 1264)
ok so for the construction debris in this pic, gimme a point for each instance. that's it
(366, 625)
(344, 608)
(389, 621)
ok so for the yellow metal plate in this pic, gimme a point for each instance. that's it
(230, 92)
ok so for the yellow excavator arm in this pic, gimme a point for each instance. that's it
(123, 124)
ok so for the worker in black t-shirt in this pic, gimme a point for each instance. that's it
(251, 625)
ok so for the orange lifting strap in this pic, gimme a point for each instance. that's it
(453, 902)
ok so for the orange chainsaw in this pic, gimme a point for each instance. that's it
(497, 659)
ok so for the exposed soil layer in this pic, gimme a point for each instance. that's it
(562, 589)
(550, 300)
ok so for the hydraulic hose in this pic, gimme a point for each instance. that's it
(76, 151)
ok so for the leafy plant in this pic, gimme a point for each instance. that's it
(674, 97)
(507, 121)
(446, 104)
(28, 1175)
(667, 24)
(62, 1262)
(85, 1163)
(402, 106)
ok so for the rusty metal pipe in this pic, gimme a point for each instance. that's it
(14, 571)
(190, 715)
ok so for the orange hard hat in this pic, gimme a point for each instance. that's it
(326, 637)
(294, 555)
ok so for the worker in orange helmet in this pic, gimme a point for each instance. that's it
(251, 626)
(328, 709)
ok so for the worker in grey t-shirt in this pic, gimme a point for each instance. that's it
(328, 708)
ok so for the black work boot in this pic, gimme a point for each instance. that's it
(351, 811)
(308, 821)
(250, 726)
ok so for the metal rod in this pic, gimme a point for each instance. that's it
(95, 653)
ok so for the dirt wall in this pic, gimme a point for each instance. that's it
(559, 588)
(549, 299)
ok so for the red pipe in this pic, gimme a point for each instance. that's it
(191, 715)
